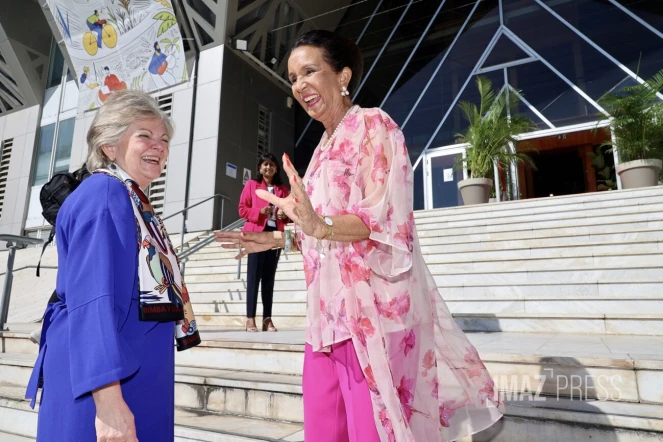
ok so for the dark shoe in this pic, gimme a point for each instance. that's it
(268, 325)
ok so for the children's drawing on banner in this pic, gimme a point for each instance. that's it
(120, 44)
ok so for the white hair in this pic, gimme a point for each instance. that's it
(113, 118)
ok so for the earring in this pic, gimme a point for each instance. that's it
(112, 165)
(344, 91)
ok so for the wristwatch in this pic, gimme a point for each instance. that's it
(330, 228)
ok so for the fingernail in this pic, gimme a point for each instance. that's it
(296, 200)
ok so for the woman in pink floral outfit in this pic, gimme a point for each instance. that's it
(384, 359)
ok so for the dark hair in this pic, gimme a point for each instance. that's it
(277, 181)
(338, 52)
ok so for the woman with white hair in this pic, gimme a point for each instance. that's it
(106, 361)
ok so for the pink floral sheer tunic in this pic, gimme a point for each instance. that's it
(427, 381)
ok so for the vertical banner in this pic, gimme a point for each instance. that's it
(120, 44)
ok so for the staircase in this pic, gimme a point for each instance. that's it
(563, 297)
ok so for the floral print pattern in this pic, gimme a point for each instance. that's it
(426, 380)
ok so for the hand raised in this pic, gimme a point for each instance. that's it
(297, 206)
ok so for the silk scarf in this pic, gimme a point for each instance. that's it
(163, 295)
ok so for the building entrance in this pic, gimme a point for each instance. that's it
(567, 164)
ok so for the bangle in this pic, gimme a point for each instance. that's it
(288, 241)
(277, 236)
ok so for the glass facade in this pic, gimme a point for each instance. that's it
(558, 57)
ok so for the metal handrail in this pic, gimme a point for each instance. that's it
(184, 218)
(186, 209)
(183, 256)
(13, 242)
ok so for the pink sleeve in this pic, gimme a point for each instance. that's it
(384, 177)
(246, 209)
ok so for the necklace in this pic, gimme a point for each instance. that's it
(330, 140)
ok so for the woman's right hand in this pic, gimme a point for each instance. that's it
(266, 211)
(114, 421)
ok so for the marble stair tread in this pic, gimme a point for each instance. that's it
(210, 427)
(605, 206)
(562, 201)
(600, 413)
(8, 437)
(239, 379)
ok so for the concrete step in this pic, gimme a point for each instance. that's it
(580, 259)
(546, 322)
(554, 203)
(536, 208)
(533, 307)
(556, 226)
(239, 294)
(558, 419)
(237, 320)
(211, 427)
(244, 393)
(549, 248)
(19, 423)
(239, 307)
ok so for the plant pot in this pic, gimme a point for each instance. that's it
(475, 190)
(639, 173)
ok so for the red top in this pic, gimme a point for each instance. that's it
(250, 205)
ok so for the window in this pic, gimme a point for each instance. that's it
(56, 66)
(5, 157)
(264, 130)
(44, 153)
(157, 190)
(50, 162)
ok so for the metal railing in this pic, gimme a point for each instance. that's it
(14, 242)
(183, 256)
(186, 209)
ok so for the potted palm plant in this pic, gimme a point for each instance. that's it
(489, 134)
(637, 126)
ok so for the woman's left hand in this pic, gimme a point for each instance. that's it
(296, 206)
(281, 215)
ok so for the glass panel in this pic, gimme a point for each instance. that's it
(396, 53)
(504, 51)
(523, 109)
(456, 122)
(444, 180)
(55, 67)
(579, 62)
(44, 151)
(551, 96)
(63, 147)
(650, 11)
(429, 54)
(634, 45)
(449, 80)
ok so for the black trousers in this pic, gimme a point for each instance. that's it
(261, 267)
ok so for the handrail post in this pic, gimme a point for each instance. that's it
(239, 269)
(223, 203)
(7, 286)
(13, 242)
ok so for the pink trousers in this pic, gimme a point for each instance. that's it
(337, 402)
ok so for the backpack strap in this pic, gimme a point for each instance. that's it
(43, 249)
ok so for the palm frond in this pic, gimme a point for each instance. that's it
(491, 130)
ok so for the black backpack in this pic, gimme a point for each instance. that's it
(52, 197)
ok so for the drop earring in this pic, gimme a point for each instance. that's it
(344, 91)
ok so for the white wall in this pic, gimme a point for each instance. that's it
(22, 126)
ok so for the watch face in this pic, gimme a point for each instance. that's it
(328, 221)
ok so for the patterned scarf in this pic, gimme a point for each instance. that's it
(162, 293)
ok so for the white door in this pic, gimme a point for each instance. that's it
(443, 172)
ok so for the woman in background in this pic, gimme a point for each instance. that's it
(261, 216)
